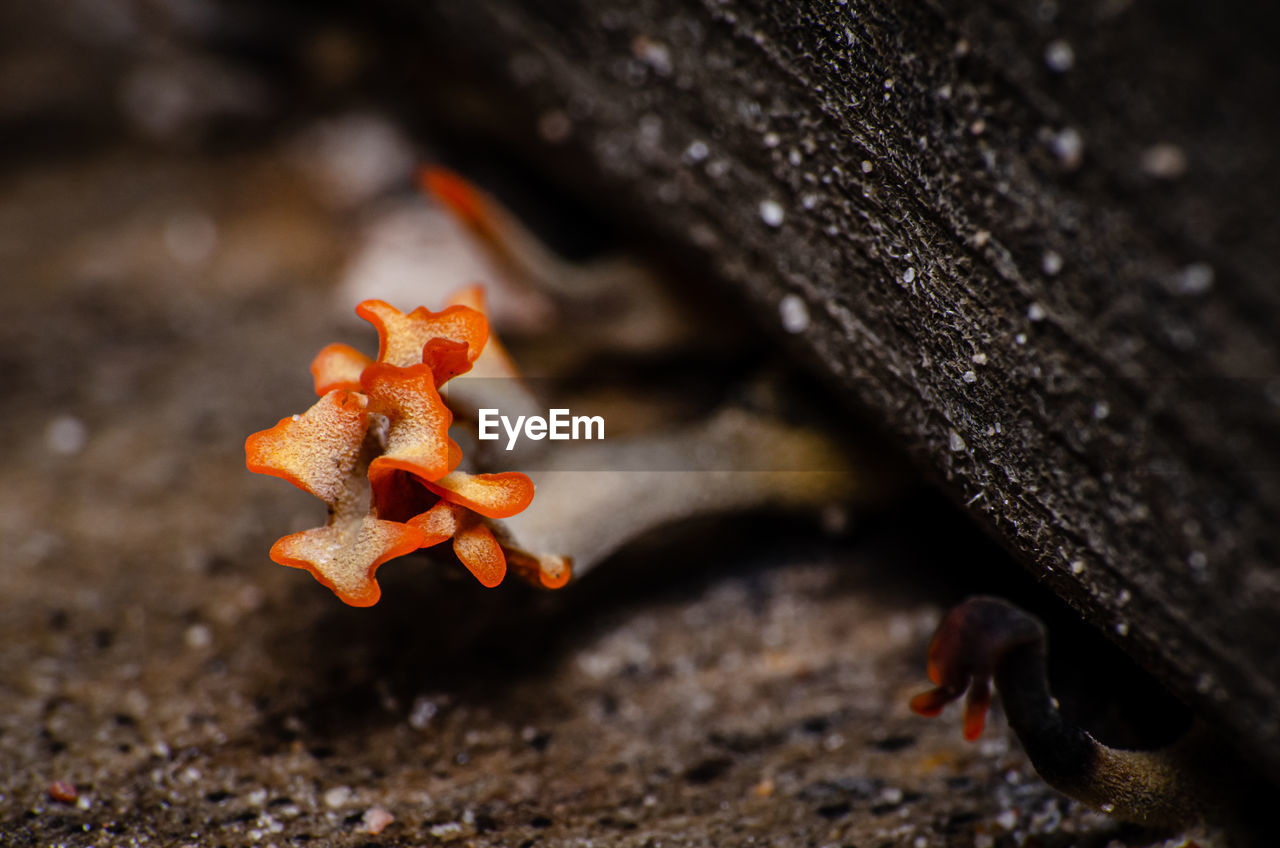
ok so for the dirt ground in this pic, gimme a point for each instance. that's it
(742, 685)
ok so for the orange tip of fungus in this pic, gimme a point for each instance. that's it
(480, 552)
(491, 495)
(496, 362)
(974, 723)
(554, 571)
(437, 524)
(317, 450)
(975, 708)
(345, 554)
(447, 359)
(338, 366)
(547, 570)
(471, 296)
(935, 668)
(418, 422)
(401, 337)
(457, 194)
(929, 704)
(473, 542)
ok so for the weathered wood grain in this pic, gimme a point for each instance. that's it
(1038, 243)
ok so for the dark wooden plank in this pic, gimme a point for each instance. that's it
(1039, 243)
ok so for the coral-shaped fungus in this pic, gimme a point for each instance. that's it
(376, 449)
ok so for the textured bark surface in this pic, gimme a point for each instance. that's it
(1039, 244)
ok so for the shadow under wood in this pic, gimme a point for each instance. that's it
(348, 670)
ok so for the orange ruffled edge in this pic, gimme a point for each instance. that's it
(367, 469)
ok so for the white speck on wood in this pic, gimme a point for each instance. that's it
(794, 314)
(771, 213)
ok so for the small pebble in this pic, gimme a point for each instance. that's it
(1163, 161)
(337, 797)
(554, 126)
(198, 636)
(64, 792)
(654, 53)
(1195, 279)
(423, 711)
(696, 152)
(66, 435)
(376, 819)
(1059, 56)
(447, 831)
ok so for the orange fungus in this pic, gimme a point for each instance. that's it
(375, 448)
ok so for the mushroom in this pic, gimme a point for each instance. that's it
(383, 461)
(1194, 779)
(594, 498)
(402, 475)
(613, 303)
(326, 451)
(381, 458)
